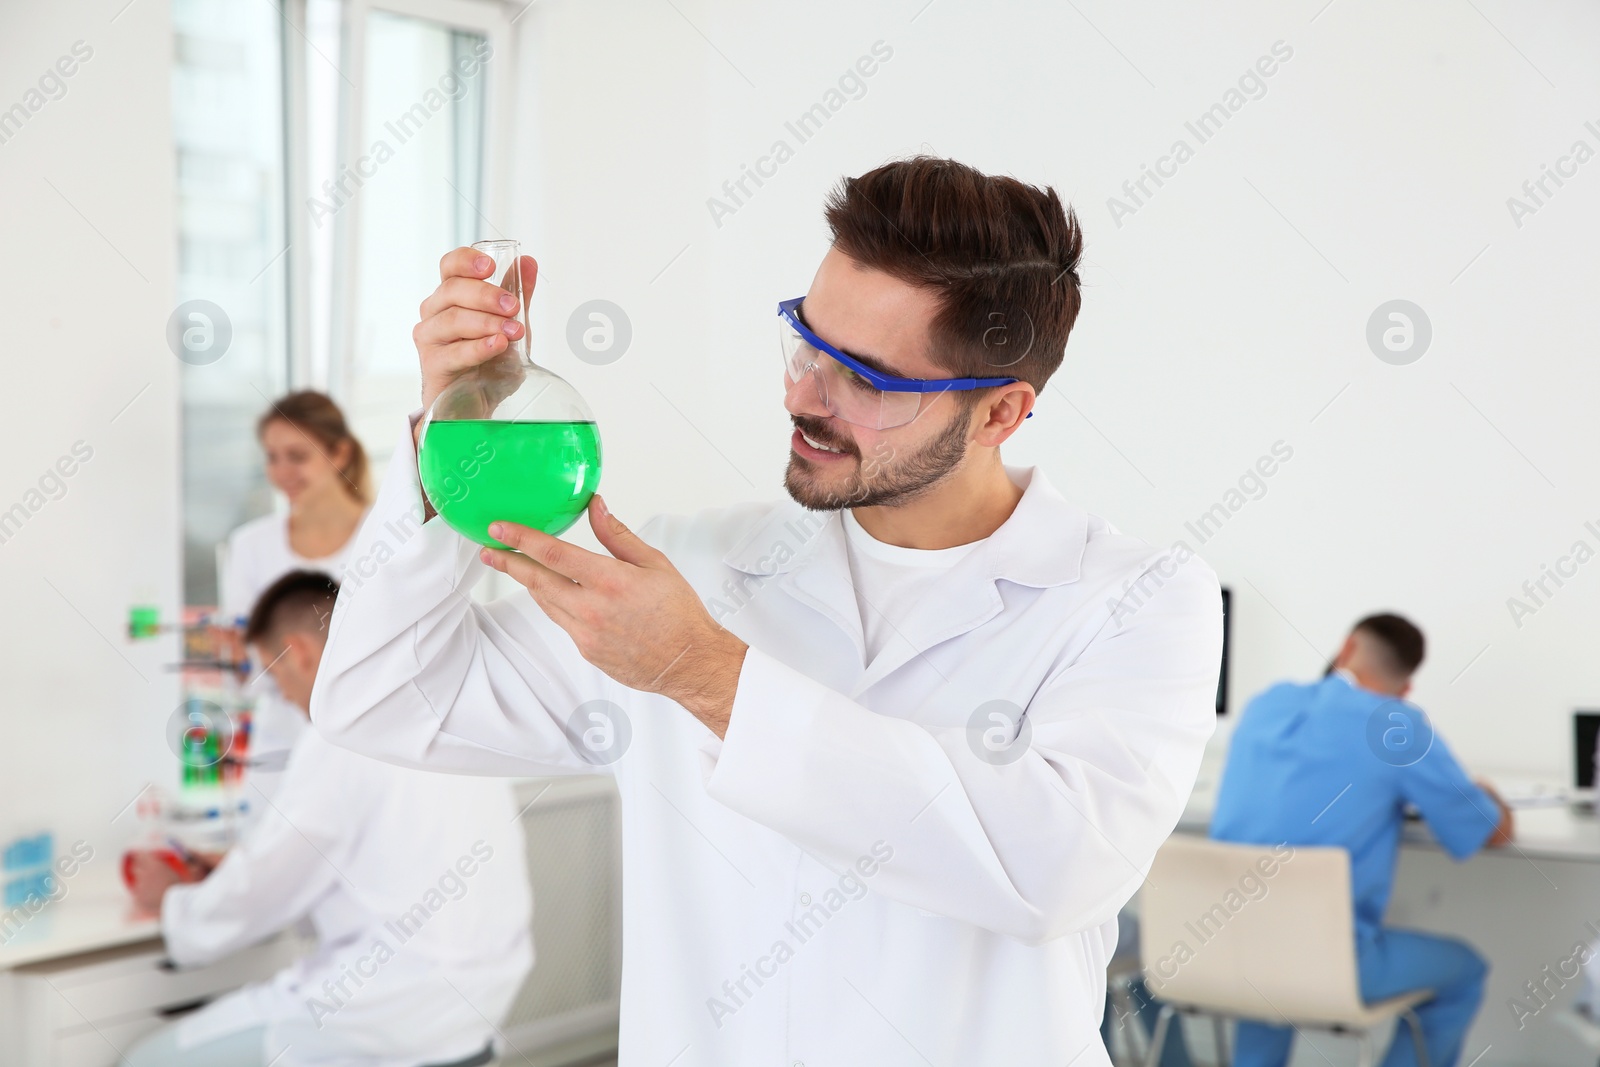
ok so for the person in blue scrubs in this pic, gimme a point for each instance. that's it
(1338, 762)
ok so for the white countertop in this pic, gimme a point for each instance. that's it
(1556, 832)
(96, 913)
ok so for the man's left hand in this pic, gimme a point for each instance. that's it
(633, 616)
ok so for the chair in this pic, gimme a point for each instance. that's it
(1223, 937)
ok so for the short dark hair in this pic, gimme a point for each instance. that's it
(300, 601)
(1001, 255)
(1399, 637)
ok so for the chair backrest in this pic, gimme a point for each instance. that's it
(1260, 932)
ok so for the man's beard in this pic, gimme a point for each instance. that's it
(896, 481)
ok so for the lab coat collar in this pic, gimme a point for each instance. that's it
(1041, 544)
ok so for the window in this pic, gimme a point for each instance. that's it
(328, 152)
(227, 112)
(416, 171)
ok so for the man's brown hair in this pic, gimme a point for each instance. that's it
(1002, 256)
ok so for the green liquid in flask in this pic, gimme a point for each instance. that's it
(538, 474)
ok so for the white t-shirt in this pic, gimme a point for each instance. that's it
(890, 580)
(259, 554)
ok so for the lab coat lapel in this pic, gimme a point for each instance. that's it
(1040, 544)
(821, 579)
(802, 553)
(964, 599)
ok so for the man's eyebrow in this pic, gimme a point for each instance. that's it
(871, 361)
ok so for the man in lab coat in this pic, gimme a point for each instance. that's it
(416, 886)
(1338, 762)
(893, 752)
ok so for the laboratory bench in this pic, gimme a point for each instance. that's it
(87, 976)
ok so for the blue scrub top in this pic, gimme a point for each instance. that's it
(1328, 764)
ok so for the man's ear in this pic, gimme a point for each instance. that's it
(1347, 650)
(263, 655)
(301, 649)
(1003, 413)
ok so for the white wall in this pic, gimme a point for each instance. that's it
(1219, 318)
(85, 290)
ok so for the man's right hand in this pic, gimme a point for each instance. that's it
(1502, 835)
(467, 320)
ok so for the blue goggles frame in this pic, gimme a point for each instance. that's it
(888, 383)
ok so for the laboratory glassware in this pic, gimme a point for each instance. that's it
(509, 440)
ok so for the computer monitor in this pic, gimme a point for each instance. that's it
(1585, 732)
(1222, 677)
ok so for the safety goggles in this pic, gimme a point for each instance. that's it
(853, 391)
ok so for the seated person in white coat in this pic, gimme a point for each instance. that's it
(415, 884)
(893, 752)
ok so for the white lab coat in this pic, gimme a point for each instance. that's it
(416, 885)
(841, 880)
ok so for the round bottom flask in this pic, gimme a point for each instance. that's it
(509, 440)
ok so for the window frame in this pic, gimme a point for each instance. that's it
(492, 19)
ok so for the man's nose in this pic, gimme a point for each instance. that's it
(804, 397)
